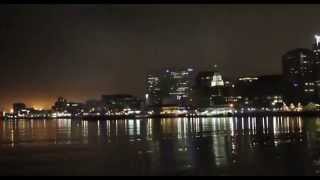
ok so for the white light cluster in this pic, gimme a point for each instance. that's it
(60, 114)
(216, 111)
(248, 79)
(217, 80)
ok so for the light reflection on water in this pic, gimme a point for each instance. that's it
(195, 143)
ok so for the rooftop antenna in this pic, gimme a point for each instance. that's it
(215, 67)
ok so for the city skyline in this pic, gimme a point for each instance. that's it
(52, 51)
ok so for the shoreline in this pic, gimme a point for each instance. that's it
(119, 117)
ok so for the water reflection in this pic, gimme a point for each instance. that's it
(197, 146)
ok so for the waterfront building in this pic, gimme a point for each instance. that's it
(153, 90)
(179, 86)
(259, 92)
(20, 110)
(173, 110)
(316, 59)
(243, 97)
(75, 108)
(121, 102)
(217, 110)
(36, 113)
(60, 105)
(170, 86)
(18, 107)
(229, 92)
(94, 106)
(298, 71)
(63, 108)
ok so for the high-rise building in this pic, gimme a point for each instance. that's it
(170, 86)
(153, 96)
(298, 72)
(316, 59)
(177, 86)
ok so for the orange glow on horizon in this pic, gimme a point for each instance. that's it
(44, 103)
(35, 105)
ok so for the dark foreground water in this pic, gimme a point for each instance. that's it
(205, 146)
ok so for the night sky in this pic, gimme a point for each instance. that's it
(83, 51)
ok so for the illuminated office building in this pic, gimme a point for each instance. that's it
(152, 95)
(171, 86)
(179, 84)
(299, 72)
(316, 59)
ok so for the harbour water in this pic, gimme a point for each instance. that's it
(173, 146)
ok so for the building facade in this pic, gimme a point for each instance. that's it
(119, 102)
(60, 105)
(179, 86)
(316, 59)
(259, 92)
(18, 107)
(170, 86)
(298, 71)
(153, 96)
